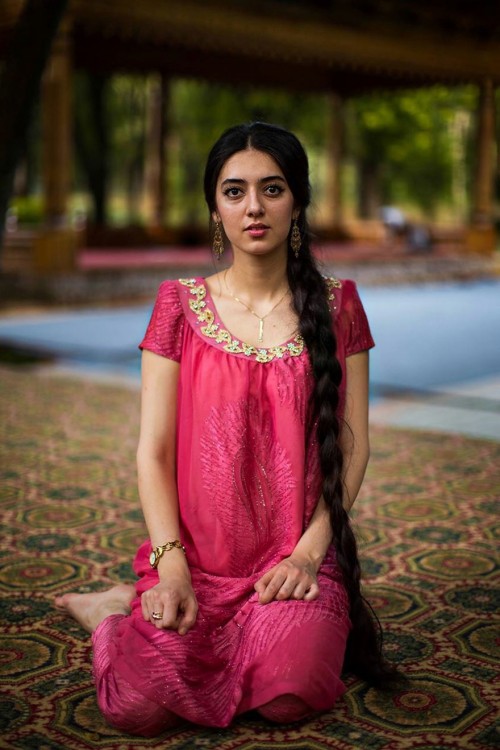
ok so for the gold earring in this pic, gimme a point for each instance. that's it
(295, 239)
(218, 243)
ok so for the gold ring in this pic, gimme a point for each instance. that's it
(157, 615)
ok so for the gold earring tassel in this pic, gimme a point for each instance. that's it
(218, 243)
(295, 239)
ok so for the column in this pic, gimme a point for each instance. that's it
(335, 151)
(56, 130)
(156, 167)
(55, 247)
(481, 234)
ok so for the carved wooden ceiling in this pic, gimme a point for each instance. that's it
(347, 46)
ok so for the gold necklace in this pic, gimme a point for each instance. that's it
(259, 318)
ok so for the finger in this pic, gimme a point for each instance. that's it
(169, 609)
(149, 604)
(312, 593)
(188, 617)
(301, 589)
(287, 590)
(261, 584)
(157, 616)
(161, 610)
(272, 588)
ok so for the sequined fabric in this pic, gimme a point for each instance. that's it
(248, 482)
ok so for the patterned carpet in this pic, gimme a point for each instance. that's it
(427, 524)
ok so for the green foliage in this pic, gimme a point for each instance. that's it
(200, 112)
(127, 119)
(412, 139)
(28, 210)
(411, 148)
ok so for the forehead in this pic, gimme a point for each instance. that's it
(250, 165)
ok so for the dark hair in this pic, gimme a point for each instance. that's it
(310, 300)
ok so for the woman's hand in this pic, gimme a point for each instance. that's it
(292, 578)
(173, 599)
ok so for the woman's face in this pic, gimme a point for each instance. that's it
(254, 203)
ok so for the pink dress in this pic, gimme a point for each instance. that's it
(248, 482)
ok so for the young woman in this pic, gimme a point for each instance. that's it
(253, 446)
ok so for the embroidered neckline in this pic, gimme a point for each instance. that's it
(332, 283)
(213, 330)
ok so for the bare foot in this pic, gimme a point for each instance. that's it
(91, 609)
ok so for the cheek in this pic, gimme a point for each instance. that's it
(286, 216)
(230, 215)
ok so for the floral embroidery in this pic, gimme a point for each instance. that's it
(212, 330)
(332, 283)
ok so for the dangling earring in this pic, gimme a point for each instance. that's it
(295, 239)
(218, 243)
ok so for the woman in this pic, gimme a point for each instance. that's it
(250, 456)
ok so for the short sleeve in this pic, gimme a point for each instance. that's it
(166, 327)
(352, 323)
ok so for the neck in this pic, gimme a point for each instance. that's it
(258, 278)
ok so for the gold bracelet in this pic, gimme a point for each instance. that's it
(155, 555)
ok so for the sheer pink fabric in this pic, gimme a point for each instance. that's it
(248, 482)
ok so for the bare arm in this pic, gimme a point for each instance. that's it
(173, 596)
(354, 438)
(295, 577)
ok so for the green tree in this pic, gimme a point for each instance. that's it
(404, 145)
(92, 138)
(19, 85)
(202, 111)
(127, 106)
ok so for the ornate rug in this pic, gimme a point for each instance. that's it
(428, 524)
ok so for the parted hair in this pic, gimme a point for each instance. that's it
(310, 300)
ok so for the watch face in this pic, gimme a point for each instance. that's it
(152, 559)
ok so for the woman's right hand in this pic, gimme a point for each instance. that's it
(173, 598)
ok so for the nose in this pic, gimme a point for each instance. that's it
(254, 204)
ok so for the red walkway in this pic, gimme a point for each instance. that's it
(340, 253)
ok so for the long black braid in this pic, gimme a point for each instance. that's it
(310, 300)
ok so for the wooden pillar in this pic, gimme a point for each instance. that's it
(56, 130)
(335, 145)
(55, 246)
(328, 215)
(156, 167)
(481, 233)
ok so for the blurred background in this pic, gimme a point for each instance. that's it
(108, 111)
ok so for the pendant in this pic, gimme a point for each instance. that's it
(261, 331)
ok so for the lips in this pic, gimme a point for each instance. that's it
(257, 230)
(256, 227)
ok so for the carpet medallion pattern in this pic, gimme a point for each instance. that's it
(427, 521)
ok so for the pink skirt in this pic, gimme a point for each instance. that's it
(238, 656)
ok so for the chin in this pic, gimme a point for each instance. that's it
(262, 248)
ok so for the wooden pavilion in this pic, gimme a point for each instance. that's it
(343, 47)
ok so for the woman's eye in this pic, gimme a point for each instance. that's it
(232, 192)
(274, 189)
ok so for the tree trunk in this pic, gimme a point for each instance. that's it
(369, 190)
(91, 138)
(156, 163)
(19, 85)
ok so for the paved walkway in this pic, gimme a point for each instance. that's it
(436, 365)
(437, 360)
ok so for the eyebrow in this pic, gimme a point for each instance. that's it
(263, 179)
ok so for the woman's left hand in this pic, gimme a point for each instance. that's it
(292, 578)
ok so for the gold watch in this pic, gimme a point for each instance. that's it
(155, 555)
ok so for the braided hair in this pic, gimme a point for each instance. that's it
(310, 301)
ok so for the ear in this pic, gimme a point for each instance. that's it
(215, 217)
(296, 213)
